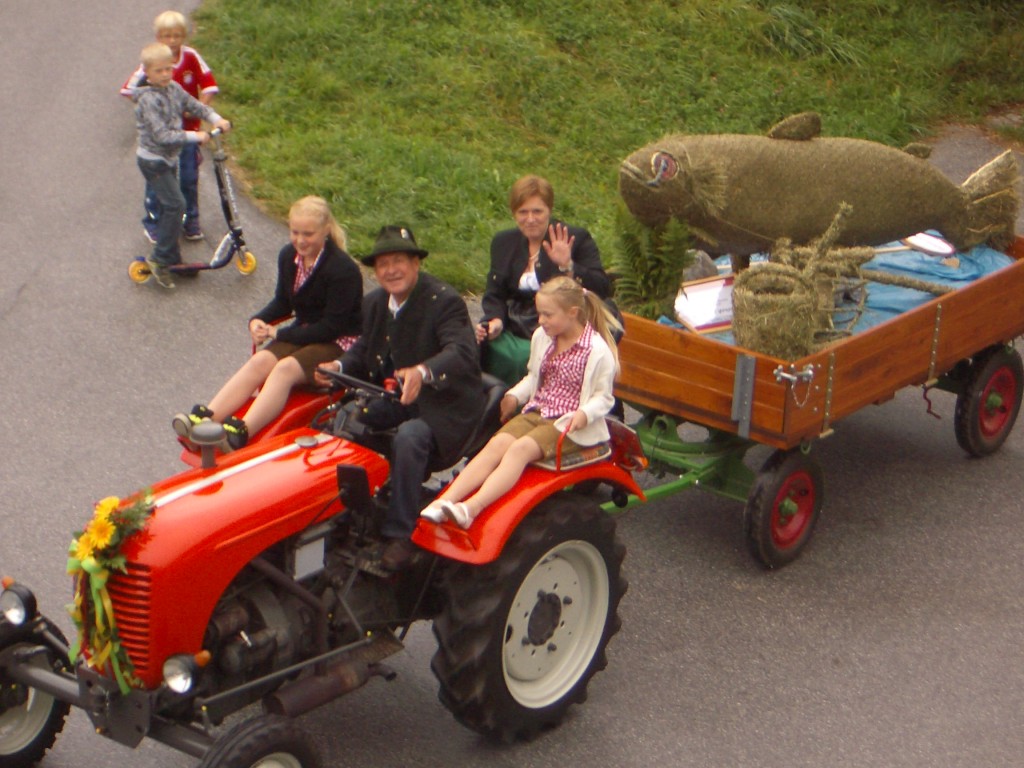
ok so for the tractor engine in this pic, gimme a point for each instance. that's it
(257, 629)
(301, 599)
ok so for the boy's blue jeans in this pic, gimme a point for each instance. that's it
(188, 178)
(162, 181)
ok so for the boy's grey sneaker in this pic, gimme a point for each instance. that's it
(149, 230)
(160, 273)
(192, 231)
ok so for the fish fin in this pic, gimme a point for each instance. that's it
(703, 235)
(917, 149)
(992, 203)
(707, 183)
(800, 127)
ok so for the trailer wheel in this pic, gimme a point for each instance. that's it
(520, 638)
(30, 720)
(266, 741)
(138, 271)
(783, 507)
(246, 262)
(987, 406)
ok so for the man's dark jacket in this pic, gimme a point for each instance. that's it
(433, 329)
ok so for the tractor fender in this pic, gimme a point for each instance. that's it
(485, 539)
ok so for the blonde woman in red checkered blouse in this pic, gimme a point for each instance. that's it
(568, 386)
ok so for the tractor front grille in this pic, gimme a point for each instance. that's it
(130, 593)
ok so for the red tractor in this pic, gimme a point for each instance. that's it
(254, 579)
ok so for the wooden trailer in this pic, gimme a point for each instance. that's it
(960, 341)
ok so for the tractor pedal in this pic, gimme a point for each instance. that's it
(370, 563)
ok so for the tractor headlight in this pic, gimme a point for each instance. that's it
(180, 673)
(17, 604)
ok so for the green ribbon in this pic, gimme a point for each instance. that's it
(100, 635)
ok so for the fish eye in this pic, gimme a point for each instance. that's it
(663, 166)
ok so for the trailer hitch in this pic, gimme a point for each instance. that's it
(793, 376)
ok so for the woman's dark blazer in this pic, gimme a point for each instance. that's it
(326, 307)
(509, 256)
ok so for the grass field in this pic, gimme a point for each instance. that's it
(425, 112)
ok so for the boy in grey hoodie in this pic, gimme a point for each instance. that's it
(159, 105)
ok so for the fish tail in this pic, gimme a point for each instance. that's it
(992, 203)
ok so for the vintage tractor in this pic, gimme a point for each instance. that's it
(255, 579)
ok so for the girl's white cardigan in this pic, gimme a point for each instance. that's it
(596, 398)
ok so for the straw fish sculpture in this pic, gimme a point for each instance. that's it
(739, 194)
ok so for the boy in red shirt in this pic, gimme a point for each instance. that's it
(191, 73)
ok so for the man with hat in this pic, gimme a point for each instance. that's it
(416, 328)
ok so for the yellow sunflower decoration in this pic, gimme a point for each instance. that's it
(94, 553)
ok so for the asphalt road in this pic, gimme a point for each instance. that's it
(894, 640)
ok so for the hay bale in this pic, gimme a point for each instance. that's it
(775, 311)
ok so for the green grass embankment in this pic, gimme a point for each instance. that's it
(425, 112)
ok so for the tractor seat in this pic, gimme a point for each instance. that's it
(589, 455)
(622, 442)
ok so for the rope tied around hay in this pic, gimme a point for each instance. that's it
(785, 308)
(774, 310)
(779, 308)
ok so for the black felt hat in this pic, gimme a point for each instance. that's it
(393, 239)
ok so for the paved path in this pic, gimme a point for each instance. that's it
(894, 641)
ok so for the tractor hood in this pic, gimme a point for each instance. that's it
(208, 523)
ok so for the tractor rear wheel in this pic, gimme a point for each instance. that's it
(520, 638)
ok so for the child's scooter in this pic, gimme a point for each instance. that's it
(231, 244)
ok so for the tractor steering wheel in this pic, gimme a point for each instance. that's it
(360, 387)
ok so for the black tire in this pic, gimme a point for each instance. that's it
(30, 720)
(783, 507)
(587, 487)
(988, 404)
(520, 638)
(266, 741)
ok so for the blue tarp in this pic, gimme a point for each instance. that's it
(885, 302)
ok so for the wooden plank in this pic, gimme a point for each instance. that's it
(987, 312)
(692, 377)
(872, 366)
(650, 386)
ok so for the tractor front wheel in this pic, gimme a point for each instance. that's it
(987, 406)
(30, 720)
(520, 638)
(266, 741)
(783, 507)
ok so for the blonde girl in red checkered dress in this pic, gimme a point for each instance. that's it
(568, 386)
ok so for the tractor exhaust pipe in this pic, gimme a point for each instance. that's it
(307, 694)
(361, 663)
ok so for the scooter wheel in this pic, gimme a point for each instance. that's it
(138, 271)
(246, 262)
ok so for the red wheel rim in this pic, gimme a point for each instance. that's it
(997, 400)
(793, 509)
